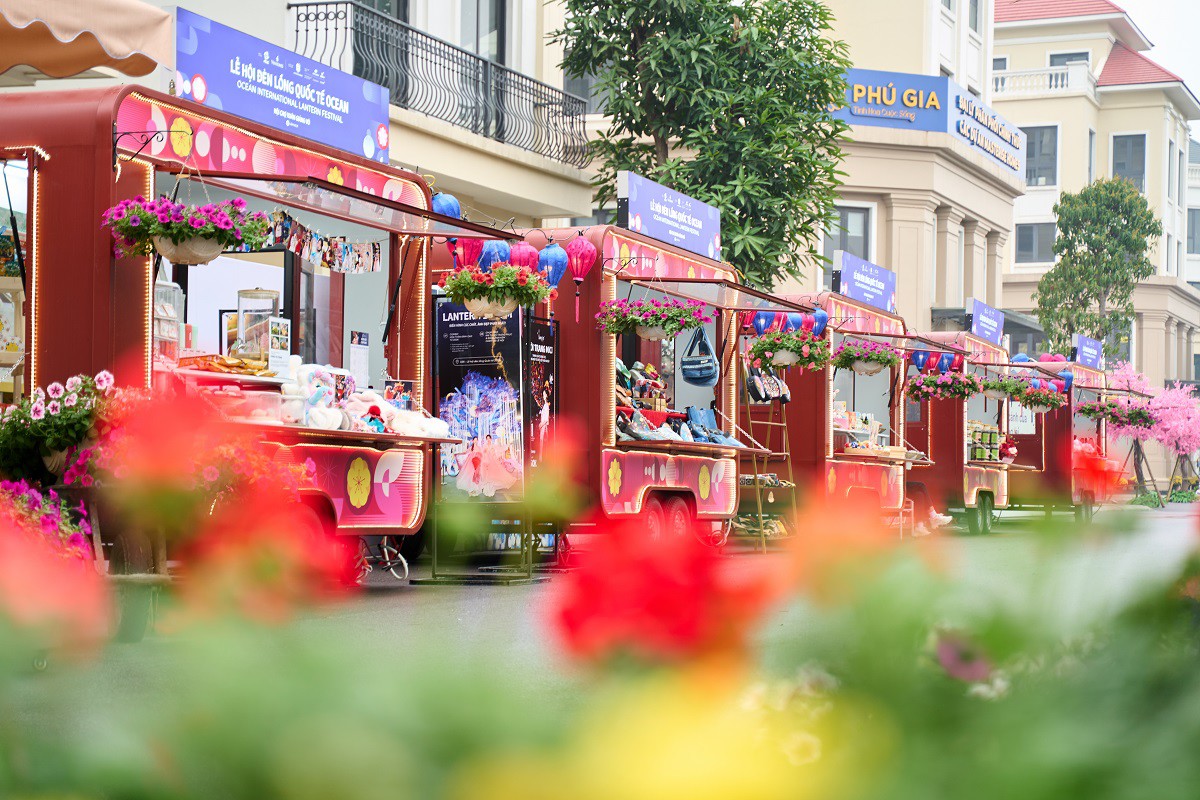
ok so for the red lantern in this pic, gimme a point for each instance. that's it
(470, 250)
(747, 319)
(957, 362)
(581, 255)
(523, 254)
(808, 321)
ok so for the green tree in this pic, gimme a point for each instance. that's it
(728, 101)
(1105, 233)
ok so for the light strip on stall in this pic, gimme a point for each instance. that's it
(148, 272)
(35, 253)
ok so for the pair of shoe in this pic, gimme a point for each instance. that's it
(939, 520)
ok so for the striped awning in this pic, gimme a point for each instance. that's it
(67, 37)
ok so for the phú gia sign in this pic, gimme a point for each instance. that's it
(931, 104)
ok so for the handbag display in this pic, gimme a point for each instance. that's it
(699, 364)
(785, 393)
(754, 385)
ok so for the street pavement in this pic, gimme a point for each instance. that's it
(505, 626)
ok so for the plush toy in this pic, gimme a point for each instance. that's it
(374, 419)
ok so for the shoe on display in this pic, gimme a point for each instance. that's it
(699, 434)
(640, 428)
(685, 432)
(668, 433)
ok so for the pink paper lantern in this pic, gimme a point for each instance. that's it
(523, 254)
(581, 256)
(469, 251)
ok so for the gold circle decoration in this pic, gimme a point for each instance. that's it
(358, 483)
(705, 481)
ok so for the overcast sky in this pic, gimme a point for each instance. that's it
(1173, 26)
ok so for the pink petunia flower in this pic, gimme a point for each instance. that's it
(104, 379)
(37, 411)
(70, 400)
(54, 407)
(54, 390)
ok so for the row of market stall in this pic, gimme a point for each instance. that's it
(364, 327)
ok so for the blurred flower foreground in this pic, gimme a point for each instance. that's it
(847, 665)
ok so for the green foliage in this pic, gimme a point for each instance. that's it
(1105, 233)
(726, 101)
(1148, 499)
(1179, 496)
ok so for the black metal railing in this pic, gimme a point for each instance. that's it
(431, 76)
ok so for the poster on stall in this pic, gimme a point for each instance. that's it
(479, 381)
(399, 393)
(1021, 421)
(280, 346)
(359, 359)
(543, 396)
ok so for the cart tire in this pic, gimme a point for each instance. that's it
(411, 546)
(975, 520)
(394, 557)
(1086, 510)
(132, 555)
(678, 520)
(987, 515)
(656, 522)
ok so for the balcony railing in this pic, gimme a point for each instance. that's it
(433, 77)
(1071, 79)
(1193, 174)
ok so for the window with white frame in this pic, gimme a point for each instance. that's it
(1091, 156)
(1000, 64)
(851, 231)
(1041, 156)
(948, 5)
(1062, 59)
(1193, 231)
(1171, 169)
(973, 15)
(1182, 159)
(1035, 243)
(1129, 158)
(1170, 256)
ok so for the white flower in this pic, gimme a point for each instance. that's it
(55, 390)
(104, 379)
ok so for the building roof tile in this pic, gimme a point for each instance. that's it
(1126, 67)
(1025, 10)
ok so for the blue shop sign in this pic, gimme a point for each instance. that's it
(223, 68)
(933, 104)
(1089, 352)
(667, 215)
(987, 323)
(865, 282)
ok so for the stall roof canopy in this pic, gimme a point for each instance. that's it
(352, 205)
(724, 294)
(67, 37)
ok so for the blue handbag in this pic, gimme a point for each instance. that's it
(699, 365)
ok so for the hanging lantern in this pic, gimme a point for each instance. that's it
(1068, 378)
(781, 322)
(581, 255)
(553, 262)
(452, 246)
(820, 320)
(957, 361)
(1035, 384)
(747, 320)
(919, 359)
(495, 251)
(523, 254)
(762, 321)
(470, 250)
(945, 360)
(795, 321)
(807, 322)
(1021, 358)
(447, 205)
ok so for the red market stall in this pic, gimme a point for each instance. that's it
(296, 340)
(961, 435)
(629, 394)
(1056, 448)
(847, 430)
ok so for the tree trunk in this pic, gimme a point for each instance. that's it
(661, 149)
(1138, 456)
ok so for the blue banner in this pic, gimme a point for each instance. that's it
(668, 216)
(933, 104)
(1089, 352)
(223, 68)
(987, 323)
(866, 282)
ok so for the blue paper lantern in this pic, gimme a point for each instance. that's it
(762, 321)
(1035, 383)
(795, 321)
(447, 205)
(495, 251)
(944, 362)
(1021, 358)
(919, 359)
(1068, 379)
(553, 263)
(820, 320)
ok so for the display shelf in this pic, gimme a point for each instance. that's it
(881, 458)
(230, 377)
(686, 448)
(343, 437)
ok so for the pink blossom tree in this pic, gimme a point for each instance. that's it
(1177, 428)
(1124, 378)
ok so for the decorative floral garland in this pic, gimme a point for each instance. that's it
(1124, 414)
(673, 316)
(812, 352)
(868, 350)
(943, 386)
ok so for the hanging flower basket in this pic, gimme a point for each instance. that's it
(1042, 400)
(194, 251)
(184, 234)
(865, 356)
(653, 333)
(496, 294)
(942, 386)
(1003, 388)
(995, 394)
(790, 349)
(652, 319)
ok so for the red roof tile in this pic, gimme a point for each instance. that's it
(1024, 10)
(1126, 67)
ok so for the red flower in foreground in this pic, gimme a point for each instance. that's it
(671, 600)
